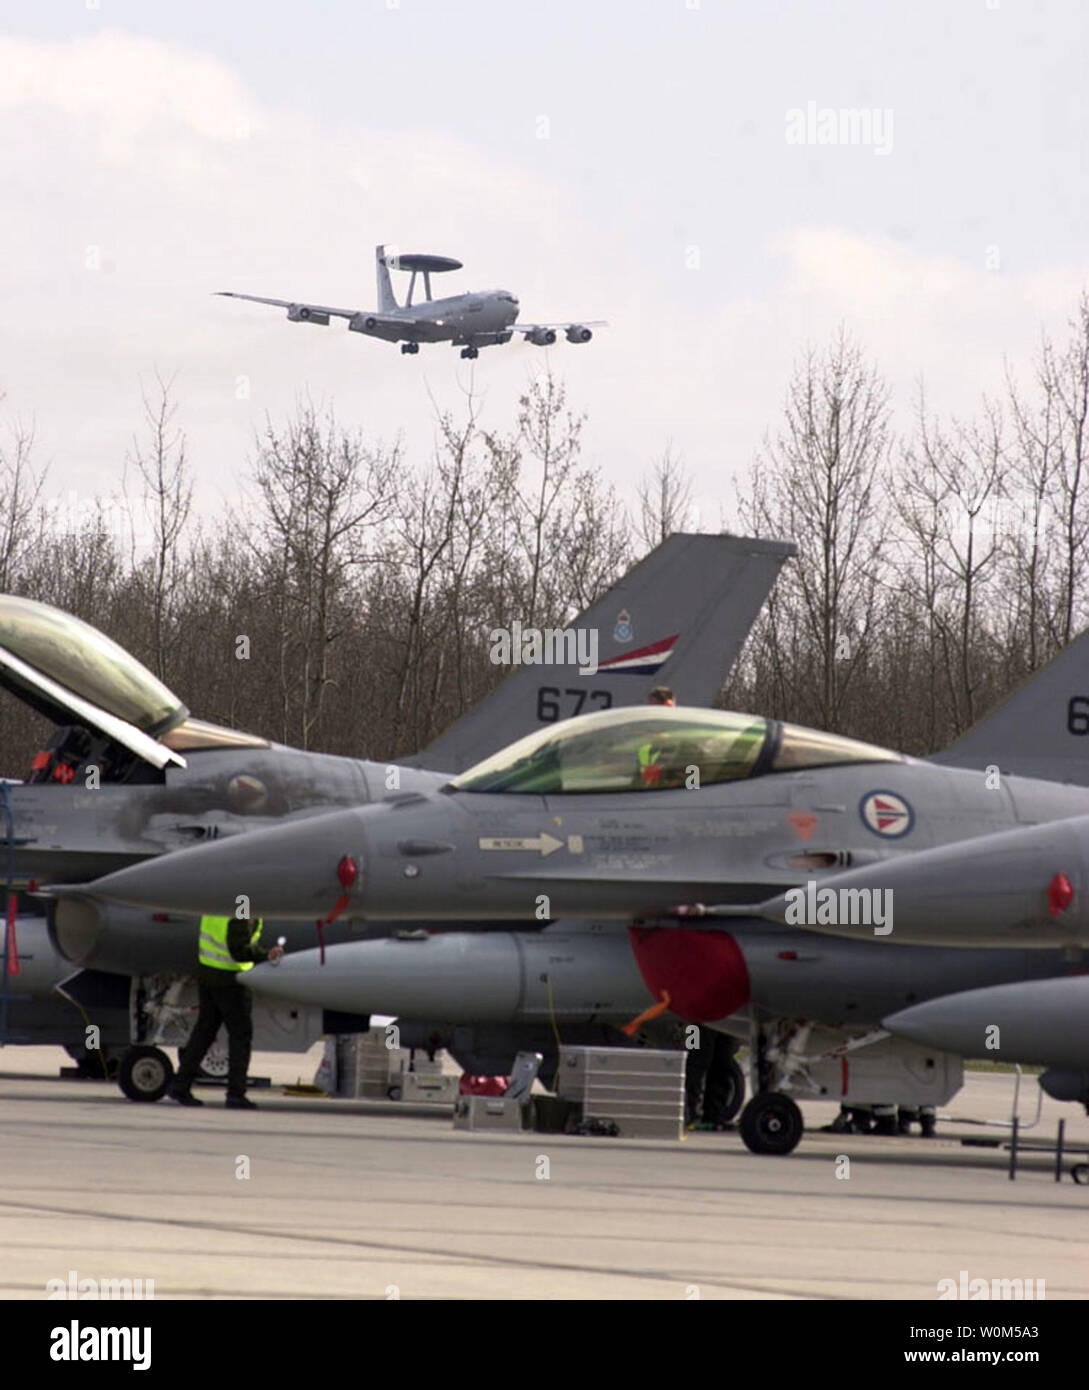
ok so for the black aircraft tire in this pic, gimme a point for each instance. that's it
(145, 1074)
(771, 1124)
(736, 1099)
(723, 1090)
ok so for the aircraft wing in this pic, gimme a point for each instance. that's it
(391, 327)
(302, 312)
(580, 328)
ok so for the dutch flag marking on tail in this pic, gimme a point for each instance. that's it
(643, 662)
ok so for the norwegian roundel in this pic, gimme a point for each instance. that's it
(886, 814)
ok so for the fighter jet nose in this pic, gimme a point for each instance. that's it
(305, 869)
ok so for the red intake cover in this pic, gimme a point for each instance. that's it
(704, 971)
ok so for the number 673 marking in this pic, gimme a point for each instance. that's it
(548, 702)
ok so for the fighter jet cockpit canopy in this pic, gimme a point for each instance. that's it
(69, 652)
(98, 694)
(657, 747)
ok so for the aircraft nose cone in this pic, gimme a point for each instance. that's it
(299, 869)
(1033, 1021)
(992, 890)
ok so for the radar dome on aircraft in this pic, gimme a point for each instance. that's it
(419, 261)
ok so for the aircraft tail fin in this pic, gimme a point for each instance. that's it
(1041, 730)
(387, 300)
(678, 618)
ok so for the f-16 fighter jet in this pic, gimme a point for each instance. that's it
(645, 816)
(129, 774)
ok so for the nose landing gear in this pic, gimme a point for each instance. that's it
(771, 1124)
(410, 348)
(470, 352)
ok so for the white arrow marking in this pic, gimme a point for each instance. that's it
(546, 843)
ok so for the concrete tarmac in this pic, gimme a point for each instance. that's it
(379, 1200)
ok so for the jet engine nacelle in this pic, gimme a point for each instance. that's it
(127, 940)
(40, 966)
(576, 333)
(140, 941)
(302, 313)
(542, 337)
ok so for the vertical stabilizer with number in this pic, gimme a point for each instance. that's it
(1041, 730)
(678, 618)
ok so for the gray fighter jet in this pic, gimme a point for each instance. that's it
(469, 321)
(755, 817)
(129, 774)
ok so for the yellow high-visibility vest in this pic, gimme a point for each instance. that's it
(648, 754)
(213, 950)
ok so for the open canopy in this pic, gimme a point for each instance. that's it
(651, 748)
(72, 654)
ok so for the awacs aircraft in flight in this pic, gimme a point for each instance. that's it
(642, 816)
(470, 321)
(163, 780)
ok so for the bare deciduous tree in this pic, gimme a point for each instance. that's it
(665, 500)
(20, 493)
(167, 497)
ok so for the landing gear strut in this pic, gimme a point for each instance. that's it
(771, 1123)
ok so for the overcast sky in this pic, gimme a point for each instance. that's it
(649, 162)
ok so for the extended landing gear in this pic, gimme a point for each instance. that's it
(771, 1124)
(470, 352)
(145, 1073)
(410, 348)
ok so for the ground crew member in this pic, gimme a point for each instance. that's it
(227, 947)
(661, 695)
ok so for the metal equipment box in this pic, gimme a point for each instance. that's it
(639, 1089)
(431, 1085)
(489, 1112)
(367, 1069)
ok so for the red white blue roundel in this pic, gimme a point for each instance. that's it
(886, 814)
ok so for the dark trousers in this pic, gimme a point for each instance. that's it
(707, 1078)
(231, 1004)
